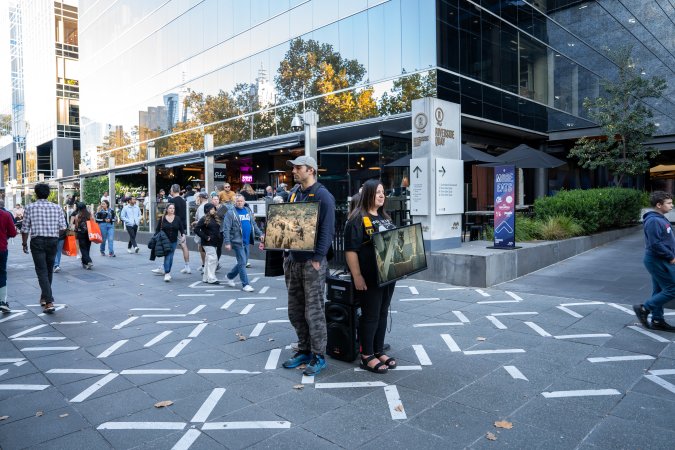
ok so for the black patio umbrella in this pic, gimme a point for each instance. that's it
(525, 157)
(469, 154)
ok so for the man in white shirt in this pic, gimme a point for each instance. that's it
(131, 216)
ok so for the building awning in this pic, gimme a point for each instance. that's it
(184, 162)
(291, 140)
(129, 171)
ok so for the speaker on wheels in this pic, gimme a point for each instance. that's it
(342, 322)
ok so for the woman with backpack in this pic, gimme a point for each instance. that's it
(171, 225)
(208, 230)
(105, 217)
(80, 217)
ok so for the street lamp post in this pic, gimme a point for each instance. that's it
(309, 119)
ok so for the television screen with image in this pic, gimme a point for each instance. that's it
(399, 253)
(292, 226)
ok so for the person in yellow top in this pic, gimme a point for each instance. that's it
(226, 195)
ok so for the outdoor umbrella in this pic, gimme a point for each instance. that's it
(525, 157)
(469, 154)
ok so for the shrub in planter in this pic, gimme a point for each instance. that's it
(559, 227)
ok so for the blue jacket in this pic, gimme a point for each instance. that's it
(659, 240)
(232, 230)
(326, 227)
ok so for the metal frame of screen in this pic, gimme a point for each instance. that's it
(379, 242)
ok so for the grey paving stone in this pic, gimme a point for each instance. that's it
(632, 341)
(525, 436)
(616, 432)
(300, 406)
(459, 423)
(203, 442)
(655, 411)
(405, 436)
(124, 439)
(43, 428)
(178, 387)
(296, 438)
(238, 439)
(24, 404)
(117, 405)
(79, 440)
(567, 418)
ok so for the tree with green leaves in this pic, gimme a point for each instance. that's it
(625, 120)
(405, 89)
(5, 124)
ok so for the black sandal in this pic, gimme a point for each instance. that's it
(390, 362)
(376, 369)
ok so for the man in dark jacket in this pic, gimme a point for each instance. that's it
(659, 260)
(239, 231)
(305, 272)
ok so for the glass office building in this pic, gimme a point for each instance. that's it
(163, 73)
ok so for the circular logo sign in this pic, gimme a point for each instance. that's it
(439, 114)
(421, 122)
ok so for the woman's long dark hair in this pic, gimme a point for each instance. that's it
(82, 213)
(209, 217)
(367, 200)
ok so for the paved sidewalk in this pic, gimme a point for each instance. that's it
(555, 357)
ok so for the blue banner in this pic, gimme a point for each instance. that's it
(505, 207)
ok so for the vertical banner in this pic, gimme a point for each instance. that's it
(505, 207)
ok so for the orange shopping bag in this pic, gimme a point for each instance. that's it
(94, 232)
(69, 246)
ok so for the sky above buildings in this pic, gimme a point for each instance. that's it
(5, 79)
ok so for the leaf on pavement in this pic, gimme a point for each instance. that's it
(504, 424)
(491, 436)
(164, 403)
(399, 408)
(240, 336)
(39, 414)
(299, 386)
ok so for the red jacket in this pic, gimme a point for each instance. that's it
(7, 229)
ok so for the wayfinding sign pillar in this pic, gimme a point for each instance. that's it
(437, 172)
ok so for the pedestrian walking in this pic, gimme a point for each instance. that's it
(366, 218)
(80, 217)
(181, 211)
(7, 230)
(172, 226)
(43, 221)
(131, 216)
(201, 200)
(105, 217)
(208, 229)
(17, 214)
(659, 260)
(305, 272)
(239, 232)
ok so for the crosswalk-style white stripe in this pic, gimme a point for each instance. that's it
(496, 322)
(107, 352)
(158, 338)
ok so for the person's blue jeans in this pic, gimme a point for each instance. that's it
(168, 258)
(107, 233)
(663, 285)
(59, 250)
(241, 252)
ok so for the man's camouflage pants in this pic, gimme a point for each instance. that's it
(306, 303)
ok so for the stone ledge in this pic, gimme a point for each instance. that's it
(475, 265)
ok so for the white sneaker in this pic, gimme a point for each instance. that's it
(129, 250)
(186, 269)
(136, 249)
(248, 265)
(57, 269)
(158, 271)
(201, 269)
(167, 277)
(248, 288)
(230, 283)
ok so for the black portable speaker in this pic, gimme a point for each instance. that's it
(342, 323)
(339, 289)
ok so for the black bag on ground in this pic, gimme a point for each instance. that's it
(274, 263)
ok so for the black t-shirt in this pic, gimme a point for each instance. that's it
(171, 229)
(181, 209)
(356, 240)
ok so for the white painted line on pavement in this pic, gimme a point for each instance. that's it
(413, 290)
(107, 352)
(661, 382)
(255, 279)
(422, 355)
(177, 349)
(482, 292)
(20, 363)
(196, 295)
(150, 309)
(247, 309)
(353, 384)
(263, 290)
(141, 426)
(401, 287)
(514, 296)
(125, 323)
(419, 299)
(195, 284)
(39, 338)
(189, 438)
(23, 387)
(158, 338)
(450, 289)
(259, 424)
(222, 290)
(39, 349)
(496, 322)
(227, 304)
(436, 324)
(580, 393)
(198, 329)
(654, 336)
(273, 359)
(285, 308)
(196, 310)
(582, 303)
(153, 372)
(491, 302)
(84, 371)
(180, 321)
(307, 379)
(621, 308)
(515, 373)
(450, 342)
(225, 372)
(401, 368)
(10, 360)
(460, 315)
(93, 388)
(72, 322)
(580, 336)
(13, 316)
(660, 372)
(522, 313)
(207, 407)
(24, 332)
(620, 358)
(570, 312)
(258, 328)
(3, 371)
(494, 352)
(164, 315)
(279, 321)
(256, 298)
(540, 331)
(395, 406)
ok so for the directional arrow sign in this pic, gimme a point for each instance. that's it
(420, 191)
(442, 171)
(417, 171)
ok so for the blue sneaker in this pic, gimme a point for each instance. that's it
(316, 365)
(297, 359)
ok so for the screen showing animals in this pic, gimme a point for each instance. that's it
(292, 226)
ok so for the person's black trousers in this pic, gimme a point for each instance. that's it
(132, 236)
(43, 251)
(85, 246)
(373, 321)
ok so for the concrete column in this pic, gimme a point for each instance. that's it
(311, 120)
(540, 183)
(152, 186)
(209, 161)
(111, 180)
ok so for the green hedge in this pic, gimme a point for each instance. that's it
(594, 209)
